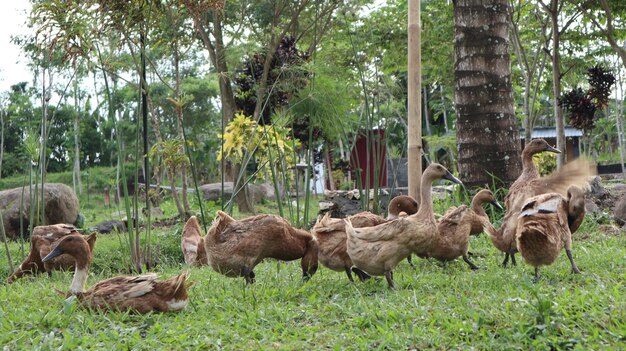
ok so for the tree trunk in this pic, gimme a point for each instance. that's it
(78, 187)
(426, 117)
(179, 123)
(217, 54)
(241, 192)
(1, 140)
(531, 70)
(556, 84)
(328, 168)
(619, 112)
(487, 134)
(179, 206)
(444, 109)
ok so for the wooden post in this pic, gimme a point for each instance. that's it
(414, 109)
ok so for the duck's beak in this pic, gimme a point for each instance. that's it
(54, 253)
(552, 149)
(497, 204)
(452, 178)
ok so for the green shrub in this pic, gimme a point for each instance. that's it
(545, 163)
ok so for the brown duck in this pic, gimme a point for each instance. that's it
(192, 243)
(529, 184)
(456, 226)
(43, 240)
(139, 294)
(235, 247)
(377, 250)
(543, 229)
(331, 234)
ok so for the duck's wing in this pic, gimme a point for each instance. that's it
(576, 173)
(327, 224)
(123, 287)
(544, 203)
(449, 211)
(142, 293)
(451, 219)
(366, 219)
(382, 232)
(359, 220)
(220, 224)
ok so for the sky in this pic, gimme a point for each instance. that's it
(13, 65)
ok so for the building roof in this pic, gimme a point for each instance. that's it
(550, 132)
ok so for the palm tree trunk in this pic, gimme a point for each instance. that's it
(487, 133)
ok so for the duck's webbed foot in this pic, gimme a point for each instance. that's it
(248, 274)
(349, 274)
(306, 276)
(410, 261)
(360, 274)
(471, 265)
(389, 276)
(506, 260)
(537, 276)
(571, 261)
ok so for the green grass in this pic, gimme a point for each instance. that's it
(435, 306)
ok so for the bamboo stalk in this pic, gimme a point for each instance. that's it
(414, 82)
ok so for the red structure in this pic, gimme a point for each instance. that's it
(368, 160)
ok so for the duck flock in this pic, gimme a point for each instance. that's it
(541, 215)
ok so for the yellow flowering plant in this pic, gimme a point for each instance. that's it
(269, 145)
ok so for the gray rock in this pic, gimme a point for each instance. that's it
(61, 206)
(111, 225)
(620, 211)
(591, 207)
(258, 192)
(597, 189)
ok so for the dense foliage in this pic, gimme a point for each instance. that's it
(583, 105)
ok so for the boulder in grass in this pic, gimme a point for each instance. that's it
(110, 226)
(60, 206)
(259, 192)
(620, 211)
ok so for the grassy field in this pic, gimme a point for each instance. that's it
(435, 306)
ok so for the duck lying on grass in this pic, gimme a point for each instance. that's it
(141, 294)
(42, 241)
(235, 247)
(543, 229)
(331, 234)
(192, 243)
(456, 226)
(377, 250)
(529, 184)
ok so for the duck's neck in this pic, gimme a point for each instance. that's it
(80, 278)
(426, 200)
(528, 166)
(477, 207)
